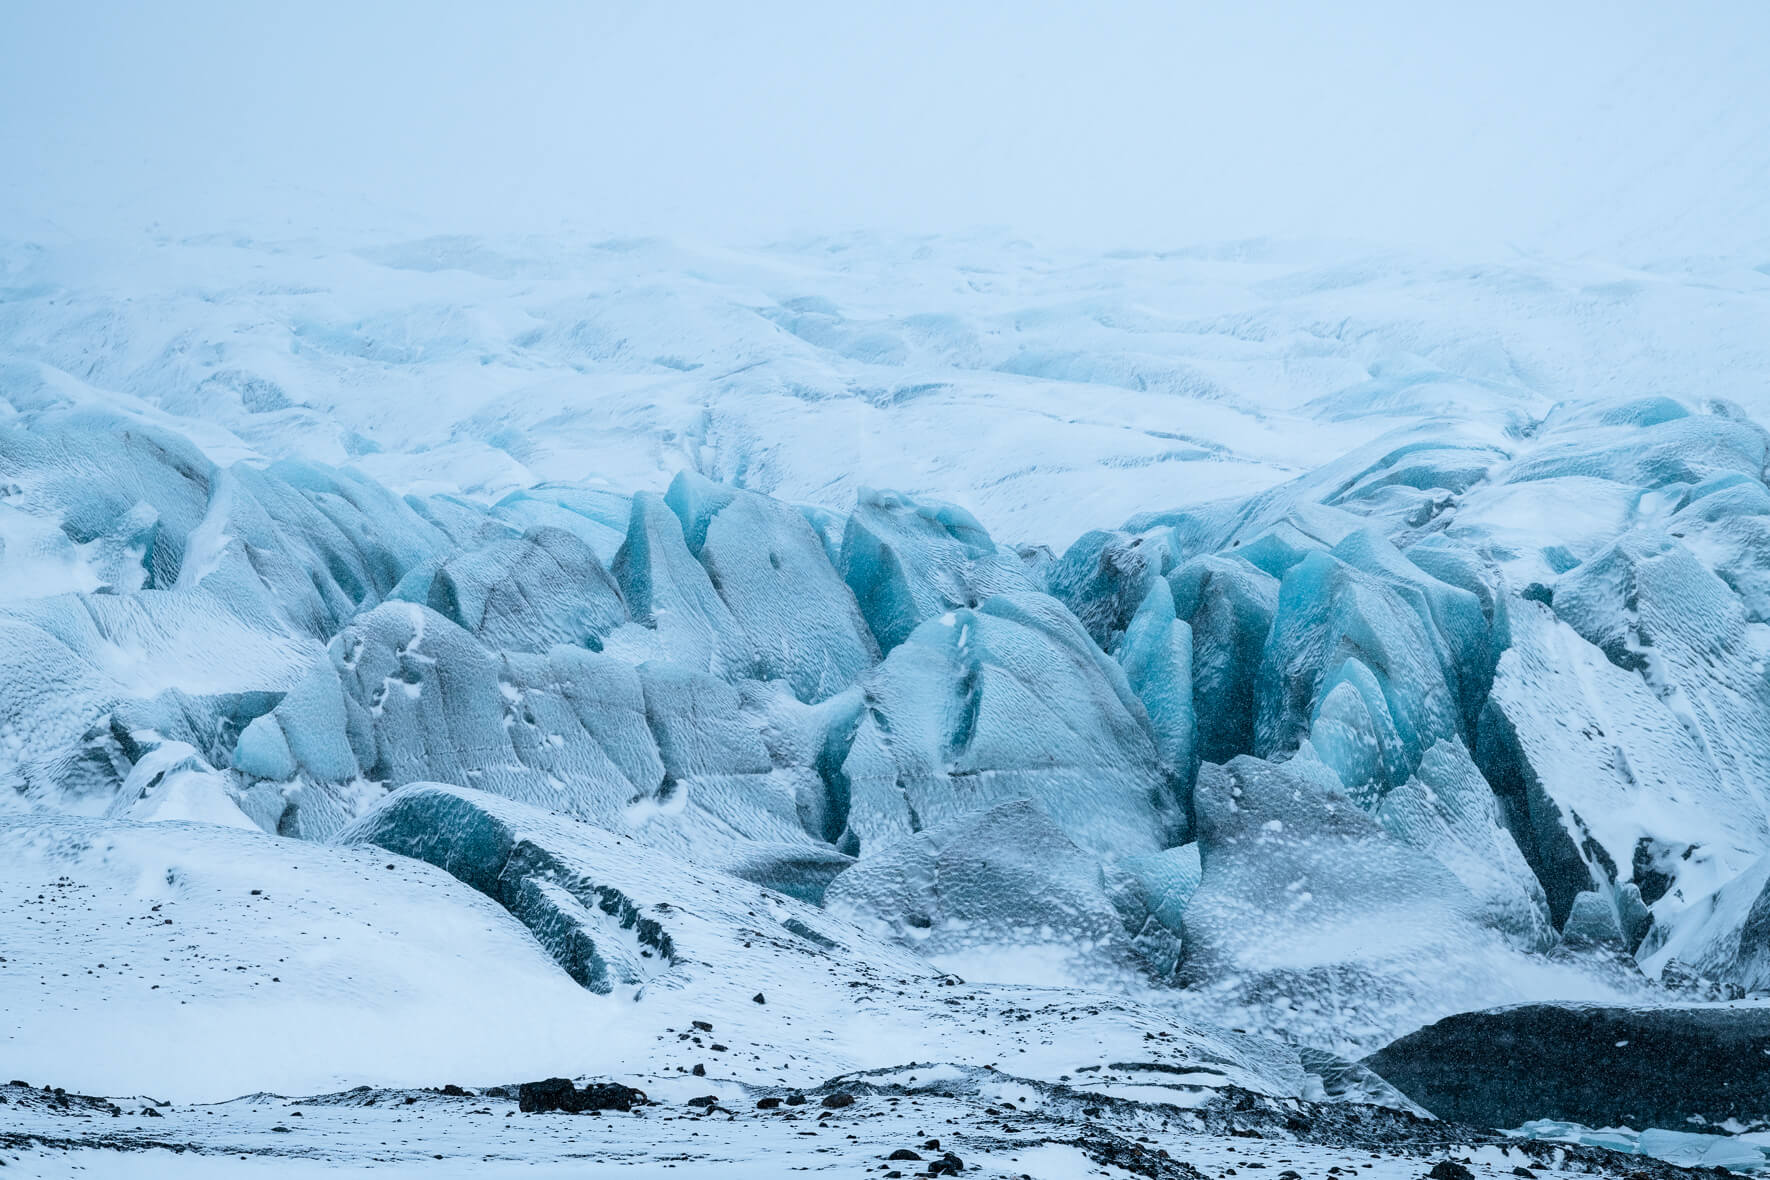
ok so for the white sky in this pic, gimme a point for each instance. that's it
(1625, 128)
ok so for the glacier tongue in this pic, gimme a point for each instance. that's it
(1475, 713)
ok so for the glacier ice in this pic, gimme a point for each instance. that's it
(1653, 608)
(669, 594)
(1228, 604)
(616, 915)
(1310, 918)
(1156, 653)
(799, 620)
(1106, 576)
(1448, 811)
(528, 593)
(1466, 716)
(1609, 782)
(1337, 625)
(909, 560)
(596, 516)
(1724, 936)
(1000, 895)
(1009, 701)
(405, 695)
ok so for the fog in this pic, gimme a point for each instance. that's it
(1625, 129)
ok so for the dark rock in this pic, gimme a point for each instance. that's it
(1600, 1066)
(767, 1103)
(904, 1153)
(559, 1094)
(699, 1071)
(838, 1101)
(703, 1025)
(453, 1091)
(758, 998)
(795, 1100)
(708, 1100)
(1450, 1170)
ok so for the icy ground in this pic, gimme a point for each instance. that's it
(470, 661)
(997, 1126)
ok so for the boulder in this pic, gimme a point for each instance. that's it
(1591, 1064)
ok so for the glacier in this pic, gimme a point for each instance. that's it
(1268, 733)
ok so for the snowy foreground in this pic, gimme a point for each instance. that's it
(467, 663)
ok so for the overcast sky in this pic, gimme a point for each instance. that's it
(1568, 127)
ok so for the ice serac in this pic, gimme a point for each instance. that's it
(151, 576)
(1448, 811)
(530, 592)
(1229, 605)
(1167, 879)
(1606, 785)
(1725, 522)
(72, 665)
(1311, 919)
(768, 566)
(1340, 625)
(1671, 452)
(1156, 654)
(1590, 475)
(1150, 893)
(595, 516)
(324, 542)
(1453, 617)
(1354, 736)
(1009, 701)
(103, 477)
(911, 560)
(660, 752)
(1669, 1067)
(669, 593)
(1105, 576)
(1000, 896)
(717, 760)
(1653, 608)
(1724, 937)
